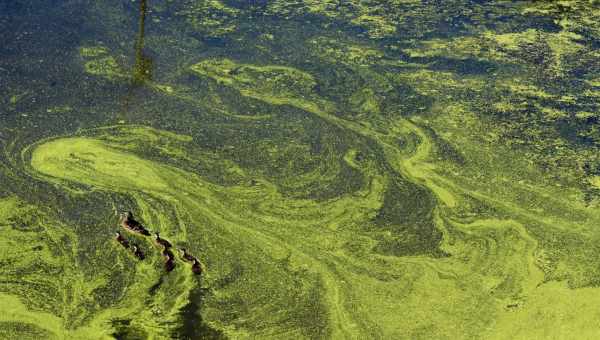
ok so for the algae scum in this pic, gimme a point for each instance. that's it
(340, 169)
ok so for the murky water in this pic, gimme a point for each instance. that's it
(358, 169)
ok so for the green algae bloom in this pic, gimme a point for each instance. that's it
(394, 169)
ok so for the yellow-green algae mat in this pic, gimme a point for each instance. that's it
(280, 266)
(507, 251)
(359, 294)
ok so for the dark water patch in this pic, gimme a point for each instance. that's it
(270, 40)
(247, 5)
(444, 149)
(466, 66)
(405, 101)
(193, 327)
(571, 131)
(155, 287)
(407, 214)
(125, 331)
(337, 82)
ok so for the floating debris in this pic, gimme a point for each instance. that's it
(130, 224)
(122, 240)
(196, 265)
(137, 252)
(185, 255)
(169, 259)
(161, 241)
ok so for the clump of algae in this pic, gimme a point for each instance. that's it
(503, 48)
(98, 62)
(335, 51)
(274, 84)
(213, 17)
(371, 16)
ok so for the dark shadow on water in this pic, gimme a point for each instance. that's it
(126, 332)
(193, 327)
(142, 70)
(155, 287)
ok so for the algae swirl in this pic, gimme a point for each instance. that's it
(356, 170)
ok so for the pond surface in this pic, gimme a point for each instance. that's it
(361, 169)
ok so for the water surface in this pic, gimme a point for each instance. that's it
(342, 170)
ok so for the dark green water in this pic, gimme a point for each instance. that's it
(355, 170)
